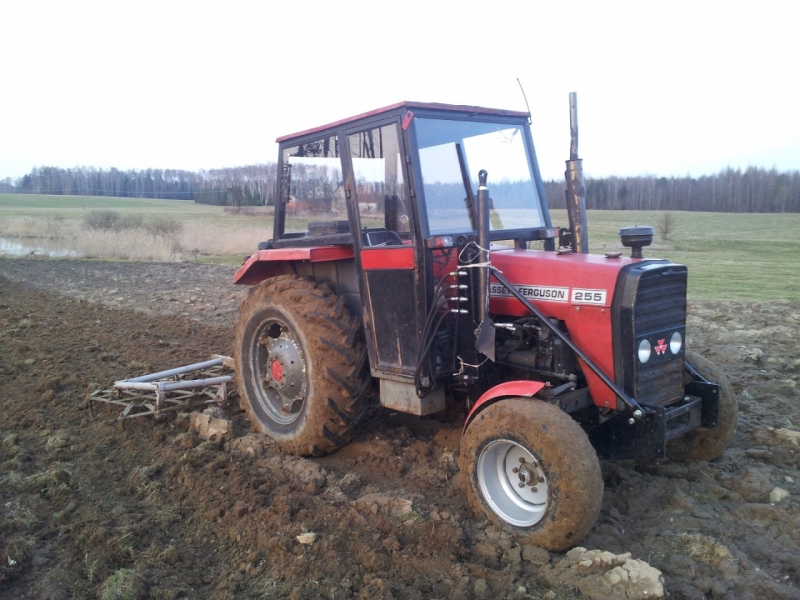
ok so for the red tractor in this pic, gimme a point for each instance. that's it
(413, 255)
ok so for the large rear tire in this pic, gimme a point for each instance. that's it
(300, 365)
(703, 443)
(529, 468)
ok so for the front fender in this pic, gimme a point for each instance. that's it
(517, 388)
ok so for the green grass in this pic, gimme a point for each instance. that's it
(77, 207)
(746, 257)
(124, 584)
(27, 204)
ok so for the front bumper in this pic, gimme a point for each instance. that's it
(618, 438)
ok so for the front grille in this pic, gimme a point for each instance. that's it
(650, 303)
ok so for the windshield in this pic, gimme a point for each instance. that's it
(496, 147)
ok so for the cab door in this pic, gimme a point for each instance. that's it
(387, 252)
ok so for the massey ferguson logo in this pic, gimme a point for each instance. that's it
(661, 347)
(551, 294)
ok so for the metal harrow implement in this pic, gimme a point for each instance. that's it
(182, 388)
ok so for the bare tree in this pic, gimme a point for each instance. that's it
(665, 224)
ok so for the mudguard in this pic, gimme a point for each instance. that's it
(522, 387)
(269, 263)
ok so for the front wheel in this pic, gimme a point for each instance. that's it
(529, 468)
(703, 443)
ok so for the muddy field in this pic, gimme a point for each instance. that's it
(89, 508)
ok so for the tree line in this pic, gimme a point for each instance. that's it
(731, 190)
(249, 185)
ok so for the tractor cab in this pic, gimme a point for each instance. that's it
(395, 191)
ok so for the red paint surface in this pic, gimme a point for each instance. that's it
(509, 388)
(269, 263)
(589, 326)
(387, 258)
(407, 120)
(277, 370)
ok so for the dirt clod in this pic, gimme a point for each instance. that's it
(211, 428)
(601, 575)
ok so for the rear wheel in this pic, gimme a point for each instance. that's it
(703, 443)
(300, 367)
(529, 468)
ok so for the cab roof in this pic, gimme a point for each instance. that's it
(409, 105)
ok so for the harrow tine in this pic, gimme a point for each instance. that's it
(166, 391)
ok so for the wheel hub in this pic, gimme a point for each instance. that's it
(276, 368)
(283, 373)
(512, 483)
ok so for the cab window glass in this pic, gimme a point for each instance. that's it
(446, 145)
(380, 188)
(312, 189)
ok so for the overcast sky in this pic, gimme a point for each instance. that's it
(665, 88)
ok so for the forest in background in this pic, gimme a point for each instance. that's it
(251, 185)
(731, 190)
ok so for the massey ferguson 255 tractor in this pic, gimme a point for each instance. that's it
(413, 255)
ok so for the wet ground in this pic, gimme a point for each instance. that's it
(90, 507)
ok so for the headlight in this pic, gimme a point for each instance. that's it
(676, 342)
(644, 351)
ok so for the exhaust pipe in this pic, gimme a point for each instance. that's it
(576, 188)
(485, 338)
(483, 244)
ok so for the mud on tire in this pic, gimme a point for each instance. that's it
(562, 507)
(301, 368)
(702, 443)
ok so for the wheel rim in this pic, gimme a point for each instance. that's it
(279, 371)
(512, 482)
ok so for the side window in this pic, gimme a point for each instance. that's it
(380, 188)
(312, 189)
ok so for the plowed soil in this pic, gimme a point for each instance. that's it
(89, 508)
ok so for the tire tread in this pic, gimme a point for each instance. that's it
(339, 383)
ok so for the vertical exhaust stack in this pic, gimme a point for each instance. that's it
(485, 338)
(483, 244)
(576, 188)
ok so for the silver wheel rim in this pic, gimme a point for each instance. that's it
(279, 371)
(512, 483)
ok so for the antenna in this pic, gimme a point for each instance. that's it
(521, 89)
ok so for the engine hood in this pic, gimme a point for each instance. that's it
(556, 283)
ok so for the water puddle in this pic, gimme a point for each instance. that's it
(9, 248)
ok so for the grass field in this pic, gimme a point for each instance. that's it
(205, 233)
(748, 257)
(730, 256)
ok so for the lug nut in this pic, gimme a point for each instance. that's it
(515, 470)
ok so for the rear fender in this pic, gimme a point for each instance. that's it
(508, 389)
(279, 261)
